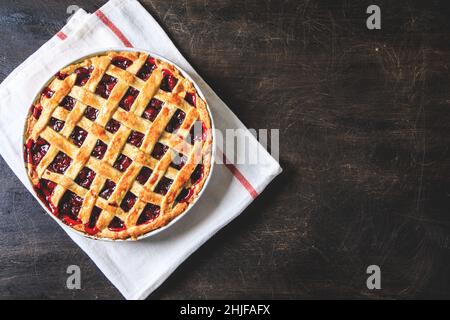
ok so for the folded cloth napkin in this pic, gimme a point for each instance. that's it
(136, 268)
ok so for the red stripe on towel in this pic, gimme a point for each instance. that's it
(113, 28)
(239, 176)
(61, 35)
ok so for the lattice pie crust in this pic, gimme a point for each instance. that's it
(118, 145)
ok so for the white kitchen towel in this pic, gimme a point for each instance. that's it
(136, 268)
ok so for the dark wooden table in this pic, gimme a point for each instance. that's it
(364, 118)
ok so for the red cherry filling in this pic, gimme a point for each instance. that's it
(83, 75)
(37, 150)
(116, 225)
(67, 103)
(128, 98)
(122, 163)
(179, 161)
(135, 138)
(26, 151)
(48, 93)
(168, 82)
(163, 185)
(78, 136)
(152, 109)
(191, 98)
(60, 164)
(91, 113)
(70, 222)
(69, 207)
(128, 202)
(56, 124)
(159, 150)
(150, 213)
(85, 177)
(112, 126)
(44, 190)
(90, 226)
(176, 121)
(147, 69)
(197, 175)
(121, 62)
(185, 195)
(198, 132)
(61, 76)
(143, 175)
(37, 110)
(105, 86)
(47, 187)
(108, 189)
(99, 150)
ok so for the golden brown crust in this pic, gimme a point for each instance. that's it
(131, 120)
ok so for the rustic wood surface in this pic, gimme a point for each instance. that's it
(364, 119)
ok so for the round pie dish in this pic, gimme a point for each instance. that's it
(119, 144)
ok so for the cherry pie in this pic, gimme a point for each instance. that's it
(118, 145)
